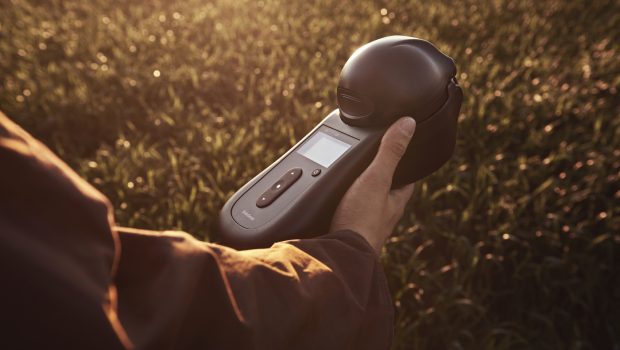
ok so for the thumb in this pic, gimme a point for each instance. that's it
(392, 148)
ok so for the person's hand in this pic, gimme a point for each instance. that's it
(369, 207)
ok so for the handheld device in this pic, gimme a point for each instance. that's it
(388, 78)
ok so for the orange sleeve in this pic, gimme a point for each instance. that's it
(71, 279)
(323, 293)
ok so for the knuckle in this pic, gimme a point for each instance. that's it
(397, 149)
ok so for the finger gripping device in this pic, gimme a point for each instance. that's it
(295, 197)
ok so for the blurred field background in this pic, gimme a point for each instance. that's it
(169, 107)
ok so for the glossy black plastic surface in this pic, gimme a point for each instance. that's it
(392, 77)
(400, 76)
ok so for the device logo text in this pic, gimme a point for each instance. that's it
(247, 215)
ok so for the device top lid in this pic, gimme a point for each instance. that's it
(393, 77)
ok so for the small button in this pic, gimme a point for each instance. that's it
(278, 185)
(265, 199)
(316, 172)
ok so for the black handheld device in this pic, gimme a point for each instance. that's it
(388, 78)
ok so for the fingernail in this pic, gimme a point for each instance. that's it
(408, 126)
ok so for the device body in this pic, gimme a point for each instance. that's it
(306, 206)
(386, 79)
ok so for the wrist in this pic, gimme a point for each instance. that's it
(372, 243)
(375, 242)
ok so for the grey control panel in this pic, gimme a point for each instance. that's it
(301, 168)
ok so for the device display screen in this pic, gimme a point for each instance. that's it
(323, 149)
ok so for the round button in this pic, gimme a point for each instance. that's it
(278, 185)
(316, 172)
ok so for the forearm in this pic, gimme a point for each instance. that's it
(173, 291)
(328, 292)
